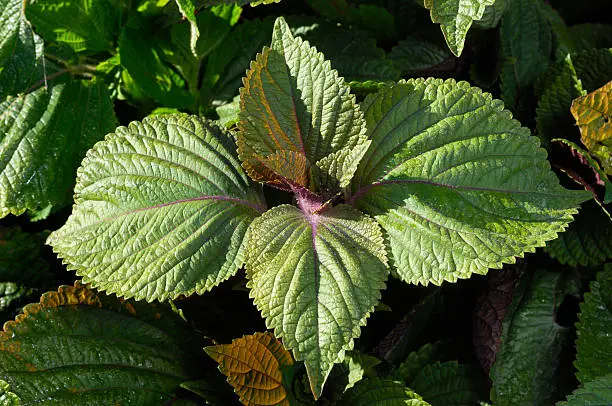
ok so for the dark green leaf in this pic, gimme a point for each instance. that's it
(412, 55)
(379, 392)
(593, 393)
(448, 384)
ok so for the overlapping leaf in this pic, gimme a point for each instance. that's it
(315, 278)
(78, 348)
(299, 124)
(455, 18)
(448, 383)
(593, 393)
(593, 114)
(412, 55)
(7, 398)
(43, 136)
(381, 392)
(459, 186)
(162, 208)
(594, 358)
(258, 367)
(83, 25)
(527, 364)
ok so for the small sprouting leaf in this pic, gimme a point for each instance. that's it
(258, 367)
(593, 114)
(527, 363)
(526, 39)
(459, 186)
(381, 392)
(594, 358)
(21, 50)
(455, 18)
(316, 277)
(7, 398)
(594, 393)
(76, 347)
(161, 209)
(43, 137)
(299, 124)
(83, 25)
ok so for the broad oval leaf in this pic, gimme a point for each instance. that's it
(593, 114)
(258, 367)
(299, 124)
(593, 358)
(78, 348)
(43, 136)
(316, 278)
(455, 18)
(161, 209)
(459, 186)
(381, 392)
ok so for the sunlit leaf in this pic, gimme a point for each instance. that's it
(380, 392)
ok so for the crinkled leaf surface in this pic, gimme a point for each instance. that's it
(593, 393)
(258, 367)
(299, 124)
(78, 348)
(43, 137)
(381, 392)
(448, 383)
(7, 398)
(161, 209)
(593, 114)
(413, 54)
(315, 278)
(526, 40)
(526, 366)
(21, 50)
(594, 358)
(83, 25)
(459, 186)
(587, 241)
(409, 368)
(455, 18)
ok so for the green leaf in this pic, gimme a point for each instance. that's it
(459, 186)
(299, 124)
(412, 55)
(229, 114)
(258, 367)
(594, 358)
(43, 137)
(447, 383)
(526, 39)
(21, 50)
(455, 18)
(82, 25)
(210, 3)
(527, 363)
(379, 392)
(413, 364)
(316, 277)
(492, 14)
(359, 365)
(187, 9)
(587, 36)
(593, 393)
(78, 348)
(7, 398)
(587, 241)
(142, 62)
(161, 209)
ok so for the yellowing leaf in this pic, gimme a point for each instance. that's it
(592, 113)
(254, 367)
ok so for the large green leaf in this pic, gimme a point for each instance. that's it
(381, 392)
(83, 25)
(162, 208)
(299, 124)
(448, 384)
(316, 277)
(526, 366)
(413, 54)
(593, 393)
(526, 39)
(594, 358)
(21, 50)
(459, 186)
(78, 348)
(43, 137)
(455, 18)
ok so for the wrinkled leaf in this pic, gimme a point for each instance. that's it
(412, 55)
(43, 137)
(258, 367)
(161, 209)
(459, 186)
(409, 368)
(299, 124)
(379, 392)
(594, 358)
(316, 277)
(76, 347)
(455, 18)
(448, 383)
